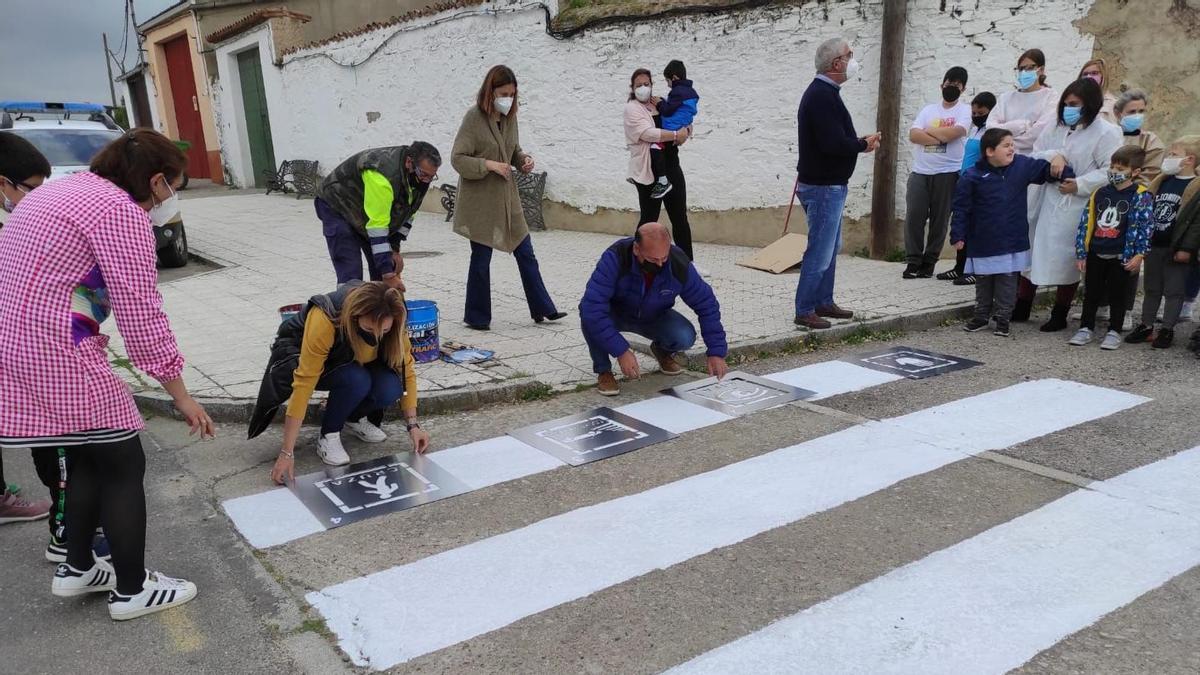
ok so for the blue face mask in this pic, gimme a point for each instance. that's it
(1072, 114)
(1026, 78)
(1132, 123)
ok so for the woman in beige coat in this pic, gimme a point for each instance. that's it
(488, 208)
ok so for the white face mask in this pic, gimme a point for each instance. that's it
(642, 93)
(504, 104)
(1172, 165)
(164, 211)
(851, 68)
(8, 204)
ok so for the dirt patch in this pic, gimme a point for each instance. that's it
(1151, 45)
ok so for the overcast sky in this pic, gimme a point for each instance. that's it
(50, 50)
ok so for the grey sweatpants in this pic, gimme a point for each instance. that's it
(929, 199)
(1164, 278)
(995, 296)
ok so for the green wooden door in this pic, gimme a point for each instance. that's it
(258, 124)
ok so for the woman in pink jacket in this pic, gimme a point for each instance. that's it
(75, 250)
(641, 131)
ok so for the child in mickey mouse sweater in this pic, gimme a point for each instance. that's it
(1113, 238)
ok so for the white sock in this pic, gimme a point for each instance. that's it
(662, 180)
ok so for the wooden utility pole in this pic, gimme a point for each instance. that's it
(891, 78)
(112, 91)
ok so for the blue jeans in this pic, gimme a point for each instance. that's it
(823, 206)
(670, 331)
(346, 247)
(479, 284)
(357, 391)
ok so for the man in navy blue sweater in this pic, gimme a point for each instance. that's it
(633, 290)
(829, 149)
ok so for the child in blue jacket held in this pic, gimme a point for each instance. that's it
(991, 225)
(1113, 237)
(677, 111)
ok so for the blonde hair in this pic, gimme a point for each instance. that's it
(376, 300)
(1103, 72)
(1189, 144)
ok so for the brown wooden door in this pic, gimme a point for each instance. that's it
(178, 53)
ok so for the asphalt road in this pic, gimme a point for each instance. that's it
(251, 615)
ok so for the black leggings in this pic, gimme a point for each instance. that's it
(675, 201)
(106, 489)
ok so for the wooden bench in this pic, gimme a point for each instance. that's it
(530, 186)
(294, 175)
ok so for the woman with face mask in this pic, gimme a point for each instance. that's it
(488, 208)
(1084, 142)
(643, 129)
(75, 251)
(1096, 71)
(353, 344)
(1029, 109)
(1130, 109)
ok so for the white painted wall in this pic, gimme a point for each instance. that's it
(230, 114)
(750, 69)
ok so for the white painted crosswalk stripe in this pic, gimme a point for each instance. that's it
(398, 614)
(992, 602)
(277, 516)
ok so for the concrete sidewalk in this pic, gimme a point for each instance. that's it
(272, 253)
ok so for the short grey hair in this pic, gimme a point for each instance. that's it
(422, 151)
(1129, 96)
(828, 52)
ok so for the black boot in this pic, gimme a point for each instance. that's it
(1058, 319)
(1022, 309)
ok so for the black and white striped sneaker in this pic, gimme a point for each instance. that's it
(159, 592)
(70, 582)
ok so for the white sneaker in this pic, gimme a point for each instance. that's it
(330, 450)
(1112, 340)
(70, 582)
(366, 431)
(1082, 337)
(1185, 314)
(158, 593)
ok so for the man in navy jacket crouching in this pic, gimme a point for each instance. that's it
(633, 290)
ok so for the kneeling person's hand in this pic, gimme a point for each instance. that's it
(629, 365)
(717, 366)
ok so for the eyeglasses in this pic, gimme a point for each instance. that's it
(23, 187)
(422, 176)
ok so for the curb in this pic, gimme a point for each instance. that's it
(238, 411)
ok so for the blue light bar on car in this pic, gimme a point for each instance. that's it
(49, 107)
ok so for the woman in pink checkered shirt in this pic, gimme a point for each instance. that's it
(72, 251)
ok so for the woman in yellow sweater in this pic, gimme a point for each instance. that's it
(352, 343)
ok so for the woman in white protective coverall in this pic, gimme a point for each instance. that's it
(1079, 146)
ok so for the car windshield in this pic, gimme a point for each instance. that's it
(68, 147)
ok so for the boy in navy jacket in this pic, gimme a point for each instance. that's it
(677, 111)
(991, 225)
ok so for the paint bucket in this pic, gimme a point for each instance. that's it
(423, 330)
(288, 311)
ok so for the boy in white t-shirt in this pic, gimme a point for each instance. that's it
(939, 136)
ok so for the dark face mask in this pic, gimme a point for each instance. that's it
(368, 337)
(650, 268)
(979, 120)
(951, 93)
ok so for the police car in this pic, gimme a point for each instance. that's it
(70, 135)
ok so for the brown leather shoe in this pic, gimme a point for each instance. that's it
(666, 361)
(812, 321)
(834, 312)
(607, 385)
